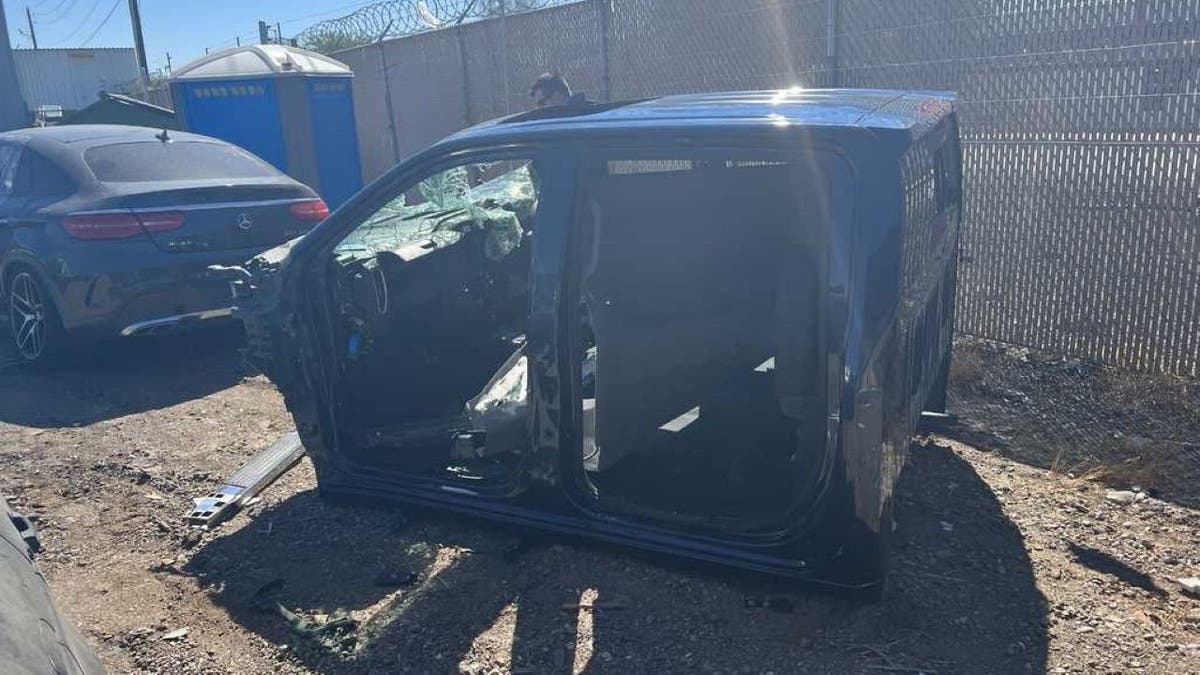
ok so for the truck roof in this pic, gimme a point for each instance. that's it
(876, 109)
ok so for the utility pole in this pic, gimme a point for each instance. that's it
(239, 40)
(264, 32)
(32, 33)
(139, 44)
(168, 63)
(278, 34)
(833, 12)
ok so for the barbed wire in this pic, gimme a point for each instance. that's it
(398, 18)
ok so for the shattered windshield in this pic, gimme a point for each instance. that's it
(495, 198)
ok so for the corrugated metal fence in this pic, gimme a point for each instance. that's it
(74, 78)
(1080, 120)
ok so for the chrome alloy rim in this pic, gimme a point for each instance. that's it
(26, 315)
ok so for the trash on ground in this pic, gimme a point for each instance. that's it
(255, 475)
(317, 624)
(1121, 496)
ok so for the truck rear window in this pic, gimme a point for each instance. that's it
(150, 161)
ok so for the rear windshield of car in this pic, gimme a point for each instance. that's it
(151, 161)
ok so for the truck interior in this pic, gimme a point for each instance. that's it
(433, 297)
(702, 392)
(697, 286)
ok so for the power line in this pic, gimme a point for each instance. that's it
(83, 23)
(249, 38)
(108, 16)
(65, 5)
(335, 10)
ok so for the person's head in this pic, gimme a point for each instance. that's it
(550, 89)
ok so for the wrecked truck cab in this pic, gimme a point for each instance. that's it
(702, 325)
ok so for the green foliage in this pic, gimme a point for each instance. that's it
(333, 41)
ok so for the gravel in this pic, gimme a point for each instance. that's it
(997, 566)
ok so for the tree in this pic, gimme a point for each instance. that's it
(328, 42)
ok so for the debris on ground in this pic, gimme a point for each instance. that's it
(1191, 586)
(1004, 593)
(317, 624)
(264, 468)
(264, 597)
(1121, 496)
(177, 634)
(334, 630)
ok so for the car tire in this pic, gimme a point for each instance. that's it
(36, 335)
(37, 638)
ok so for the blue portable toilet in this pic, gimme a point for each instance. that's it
(290, 106)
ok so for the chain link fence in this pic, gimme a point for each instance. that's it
(1081, 130)
(1080, 418)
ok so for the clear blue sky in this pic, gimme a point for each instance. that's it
(182, 27)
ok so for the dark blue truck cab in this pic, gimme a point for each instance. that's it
(699, 325)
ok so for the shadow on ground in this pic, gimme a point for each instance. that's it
(1104, 563)
(120, 377)
(1054, 412)
(962, 597)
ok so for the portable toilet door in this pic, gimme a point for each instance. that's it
(292, 107)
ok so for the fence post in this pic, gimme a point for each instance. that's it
(832, 20)
(504, 54)
(466, 86)
(387, 93)
(604, 9)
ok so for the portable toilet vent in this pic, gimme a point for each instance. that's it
(290, 106)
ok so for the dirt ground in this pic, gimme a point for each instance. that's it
(999, 567)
